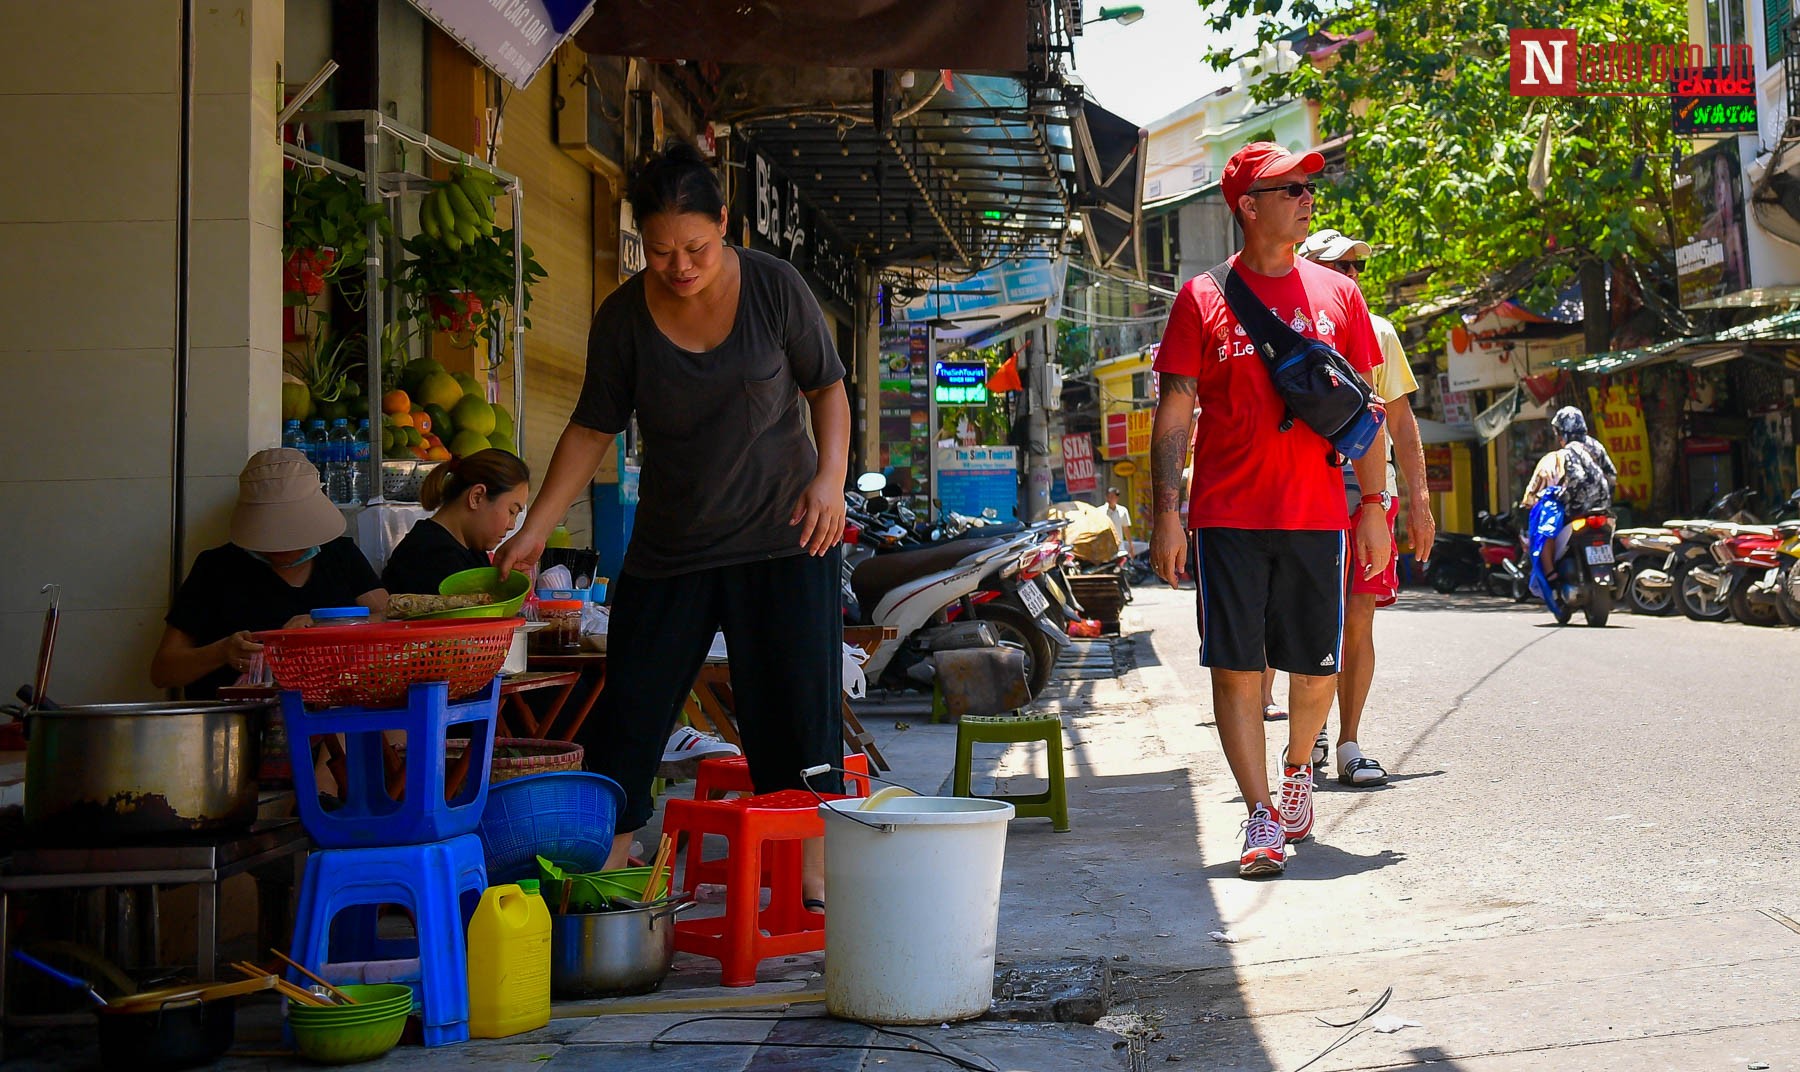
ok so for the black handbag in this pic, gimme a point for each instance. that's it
(1317, 384)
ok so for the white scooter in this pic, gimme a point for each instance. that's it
(913, 591)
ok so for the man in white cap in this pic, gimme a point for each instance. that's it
(1393, 381)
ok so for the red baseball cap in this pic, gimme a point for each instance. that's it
(1261, 158)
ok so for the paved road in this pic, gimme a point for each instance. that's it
(1586, 849)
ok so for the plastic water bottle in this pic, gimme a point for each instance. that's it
(292, 435)
(317, 446)
(337, 462)
(359, 463)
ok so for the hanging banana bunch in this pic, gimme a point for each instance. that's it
(460, 209)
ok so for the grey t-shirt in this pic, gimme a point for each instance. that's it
(726, 454)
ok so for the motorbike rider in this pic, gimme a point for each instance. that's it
(1581, 472)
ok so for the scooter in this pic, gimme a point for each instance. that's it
(915, 592)
(1587, 577)
(1643, 554)
(1752, 567)
(1787, 574)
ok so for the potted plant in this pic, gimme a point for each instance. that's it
(325, 228)
(462, 291)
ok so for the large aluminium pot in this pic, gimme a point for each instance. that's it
(121, 772)
(612, 953)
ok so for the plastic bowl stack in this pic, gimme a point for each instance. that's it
(345, 1034)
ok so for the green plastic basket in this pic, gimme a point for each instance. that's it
(509, 595)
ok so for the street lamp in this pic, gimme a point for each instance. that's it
(1124, 15)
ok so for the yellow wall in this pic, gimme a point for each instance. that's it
(87, 218)
(1114, 377)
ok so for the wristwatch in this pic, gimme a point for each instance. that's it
(1384, 498)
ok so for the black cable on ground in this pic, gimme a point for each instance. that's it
(923, 1047)
(1352, 1029)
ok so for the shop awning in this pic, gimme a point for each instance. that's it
(1109, 165)
(1695, 350)
(958, 35)
(969, 175)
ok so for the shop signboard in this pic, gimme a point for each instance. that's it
(1459, 411)
(1138, 424)
(1440, 469)
(631, 243)
(515, 38)
(781, 222)
(1026, 282)
(1708, 101)
(1078, 463)
(979, 481)
(1712, 260)
(1117, 432)
(961, 383)
(1619, 412)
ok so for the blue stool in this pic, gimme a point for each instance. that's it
(440, 884)
(369, 815)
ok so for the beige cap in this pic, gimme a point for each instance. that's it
(1333, 245)
(281, 505)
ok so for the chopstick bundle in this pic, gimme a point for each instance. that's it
(286, 989)
(329, 989)
(665, 854)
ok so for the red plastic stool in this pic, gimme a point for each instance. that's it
(765, 833)
(731, 774)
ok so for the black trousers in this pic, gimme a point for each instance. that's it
(784, 625)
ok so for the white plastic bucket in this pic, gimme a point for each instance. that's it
(909, 936)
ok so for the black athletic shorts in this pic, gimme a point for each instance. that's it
(1271, 597)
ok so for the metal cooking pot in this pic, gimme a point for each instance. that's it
(119, 772)
(612, 953)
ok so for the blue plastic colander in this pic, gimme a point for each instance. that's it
(567, 816)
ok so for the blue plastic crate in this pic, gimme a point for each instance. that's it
(567, 816)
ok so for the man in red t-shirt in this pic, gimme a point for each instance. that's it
(1267, 515)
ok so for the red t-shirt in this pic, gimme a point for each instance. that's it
(1248, 473)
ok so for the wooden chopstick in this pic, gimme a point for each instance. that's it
(329, 989)
(665, 852)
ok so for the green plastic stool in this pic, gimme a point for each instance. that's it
(1053, 803)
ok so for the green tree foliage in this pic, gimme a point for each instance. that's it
(1440, 152)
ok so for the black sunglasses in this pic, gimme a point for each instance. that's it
(1348, 266)
(1292, 189)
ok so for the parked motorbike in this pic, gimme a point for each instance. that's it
(1643, 555)
(921, 592)
(1492, 559)
(1752, 566)
(1787, 574)
(1587, 578)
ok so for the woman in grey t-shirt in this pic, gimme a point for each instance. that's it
(712, 347)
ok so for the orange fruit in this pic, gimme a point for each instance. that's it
(396, 402)
(422, 421)
(437, 454)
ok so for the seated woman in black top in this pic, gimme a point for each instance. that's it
(288, 556)
(476, 500)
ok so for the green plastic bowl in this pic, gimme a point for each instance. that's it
(374, 1001)
(509, 595)
(343, 1044)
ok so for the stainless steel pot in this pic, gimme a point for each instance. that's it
(118, 772)
(606, 954)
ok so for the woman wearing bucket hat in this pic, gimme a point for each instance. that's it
(288, 555)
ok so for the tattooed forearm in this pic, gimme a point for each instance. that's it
(1168, 453)
(1170, 436)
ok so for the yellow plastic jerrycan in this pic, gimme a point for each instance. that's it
(509, 961)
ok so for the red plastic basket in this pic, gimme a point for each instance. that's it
(374, 665)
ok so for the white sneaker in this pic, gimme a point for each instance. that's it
(1321, 747)
(688, 744)
(1295, 803)
(1265, 846)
